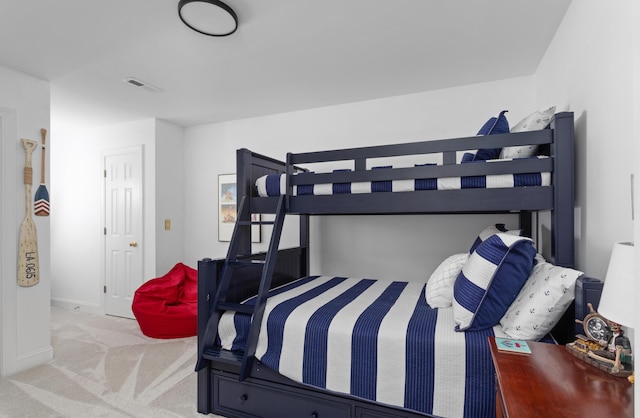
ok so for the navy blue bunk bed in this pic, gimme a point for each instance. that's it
(243, 377)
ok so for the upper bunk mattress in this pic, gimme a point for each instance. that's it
(275, 184)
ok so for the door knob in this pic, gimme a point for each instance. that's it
(133, 244)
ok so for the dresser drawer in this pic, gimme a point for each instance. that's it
(252, 400)
(370, 412)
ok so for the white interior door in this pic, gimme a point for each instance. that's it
(123, 229)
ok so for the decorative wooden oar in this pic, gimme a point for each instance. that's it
(28, 264)
(41, 205)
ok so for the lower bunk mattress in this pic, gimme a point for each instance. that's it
(373, 339)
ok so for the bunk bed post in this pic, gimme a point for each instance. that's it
(207, 283)
(244, 188)
(562, 215)
(562, 218)
(526, 223)
(289, 170)
(304, 244)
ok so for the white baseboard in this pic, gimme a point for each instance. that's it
(77, 306)
(29, 360)
(35, 358)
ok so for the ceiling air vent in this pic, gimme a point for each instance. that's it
(141, 84)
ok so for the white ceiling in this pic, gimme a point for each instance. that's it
(286, 55)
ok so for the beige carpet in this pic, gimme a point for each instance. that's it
(105, 367)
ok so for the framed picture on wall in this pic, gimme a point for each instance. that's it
(228, 209)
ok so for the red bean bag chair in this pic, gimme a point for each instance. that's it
(167, 306)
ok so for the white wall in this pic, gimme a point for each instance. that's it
(391, 247)
(25, 336)
(77, 237)
(588, 69)
(169, 203)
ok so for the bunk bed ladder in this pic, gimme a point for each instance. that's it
(265, 285)
(234, 261)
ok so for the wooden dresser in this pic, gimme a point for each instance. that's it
(550, 382)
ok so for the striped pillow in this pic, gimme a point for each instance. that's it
(490, 281)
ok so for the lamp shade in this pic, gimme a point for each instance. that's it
(616, 302)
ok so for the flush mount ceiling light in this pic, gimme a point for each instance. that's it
(209, 17)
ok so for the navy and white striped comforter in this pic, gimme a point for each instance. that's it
(374, 339)
(275, 184)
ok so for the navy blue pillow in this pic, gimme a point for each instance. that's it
(491, 280)
(498, 125)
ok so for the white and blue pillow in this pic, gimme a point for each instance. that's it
(490, 280)
(533, 122)
(491, 230)
(543, 299)
(439, 288)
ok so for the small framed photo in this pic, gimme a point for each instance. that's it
(228, 209)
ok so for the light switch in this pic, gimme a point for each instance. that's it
(167, 224)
